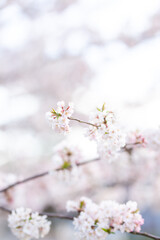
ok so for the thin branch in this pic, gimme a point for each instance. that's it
(62, 216)
(24, 181)
(148, 235)
(80, 121)
(47, 173)
(57, 215)
(4, 209)
(42, 175)
(88, 161)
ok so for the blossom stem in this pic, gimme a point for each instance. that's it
(62, 216)
(41, 175)
(80, 121)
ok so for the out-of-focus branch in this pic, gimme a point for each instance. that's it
(36, 176)
(57, 215)
(4, 209)
(24, 181)
(42, 175)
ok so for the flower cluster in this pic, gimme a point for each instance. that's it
(26, 225)
(106, 133)
(97, 221)
(59, 119)
(66, 158)
(135, 139)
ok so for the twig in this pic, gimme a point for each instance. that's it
(42, 175)
(62, 216)
(148, 235)
(23, 181)
(4, 209)
(80, 121)
(47, 173)
(57, 215)
(88, 161)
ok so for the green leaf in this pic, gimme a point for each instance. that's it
(81, 204)
(99, 109)
(66, 165)
(103, 107)
(135, 211)
(108, 230)
(96, 221)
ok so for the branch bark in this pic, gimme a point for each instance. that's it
(148, 235)
(42, 175)
(80, 121)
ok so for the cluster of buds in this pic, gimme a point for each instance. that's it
(26, 225)
(106, 133)
(59, 119)
(98, 221)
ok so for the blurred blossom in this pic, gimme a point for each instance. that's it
(66, 156)
(16, 31)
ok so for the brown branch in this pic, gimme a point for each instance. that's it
(80, 121)
(4, 209)
(58, 169)
(88, 161)
(57, 215)
(42, 175)
(23, 181)
(148, 235)
(47, 173)
(62, 216)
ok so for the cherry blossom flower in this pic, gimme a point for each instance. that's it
(98, 221)
(106, 133)
(26, 225)
(59, 119)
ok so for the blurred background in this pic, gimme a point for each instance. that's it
(87, 52)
